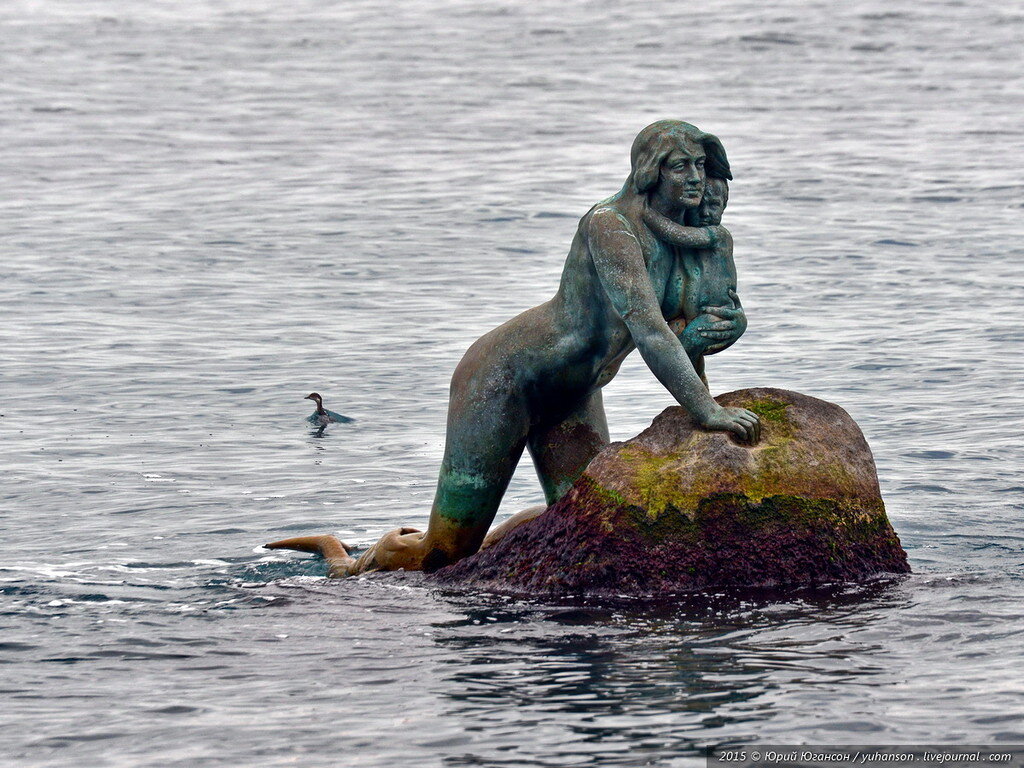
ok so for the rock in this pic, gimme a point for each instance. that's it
(677, 509)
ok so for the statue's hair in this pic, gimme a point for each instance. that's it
(654, 143)
(710, 181)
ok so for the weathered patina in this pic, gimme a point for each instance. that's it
(535, 382)
(678, 508)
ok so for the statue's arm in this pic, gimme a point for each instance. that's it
(731, 326)
(620, 266)
(677, 234)
(691, 336)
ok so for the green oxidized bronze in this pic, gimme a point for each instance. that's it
(678, 508)
(650, 268)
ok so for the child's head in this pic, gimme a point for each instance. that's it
(712, 205)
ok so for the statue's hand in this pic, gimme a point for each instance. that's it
(741, 422)
(710, 332)
(733, 322)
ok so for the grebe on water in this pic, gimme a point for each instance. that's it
(322, 417)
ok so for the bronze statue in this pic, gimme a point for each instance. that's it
(535, 382)
(708, 275)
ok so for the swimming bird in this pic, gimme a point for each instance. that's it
(321, 416)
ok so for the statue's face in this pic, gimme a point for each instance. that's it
(681, 182)
(712, 206)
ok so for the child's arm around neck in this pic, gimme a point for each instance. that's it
(677, 234)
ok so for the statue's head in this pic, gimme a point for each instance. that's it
(672, 158)
(712, 205)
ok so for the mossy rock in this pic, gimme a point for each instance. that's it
(677, 509)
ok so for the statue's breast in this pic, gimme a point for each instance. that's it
(679, 299)
(660, 269)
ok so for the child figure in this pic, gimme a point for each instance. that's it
(706, 263)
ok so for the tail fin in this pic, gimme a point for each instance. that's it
(328, 547)
(498, 532)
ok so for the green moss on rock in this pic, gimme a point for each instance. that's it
(771, 412)
(677, 508)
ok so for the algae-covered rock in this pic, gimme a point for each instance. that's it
(677, 508)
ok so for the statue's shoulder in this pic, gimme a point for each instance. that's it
(606, 217)
(726, 238)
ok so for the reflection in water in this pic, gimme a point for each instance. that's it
(658, 675)
(209, 207)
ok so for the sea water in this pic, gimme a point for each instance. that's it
(211, 209)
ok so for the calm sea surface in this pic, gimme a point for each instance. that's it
(210, 209)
